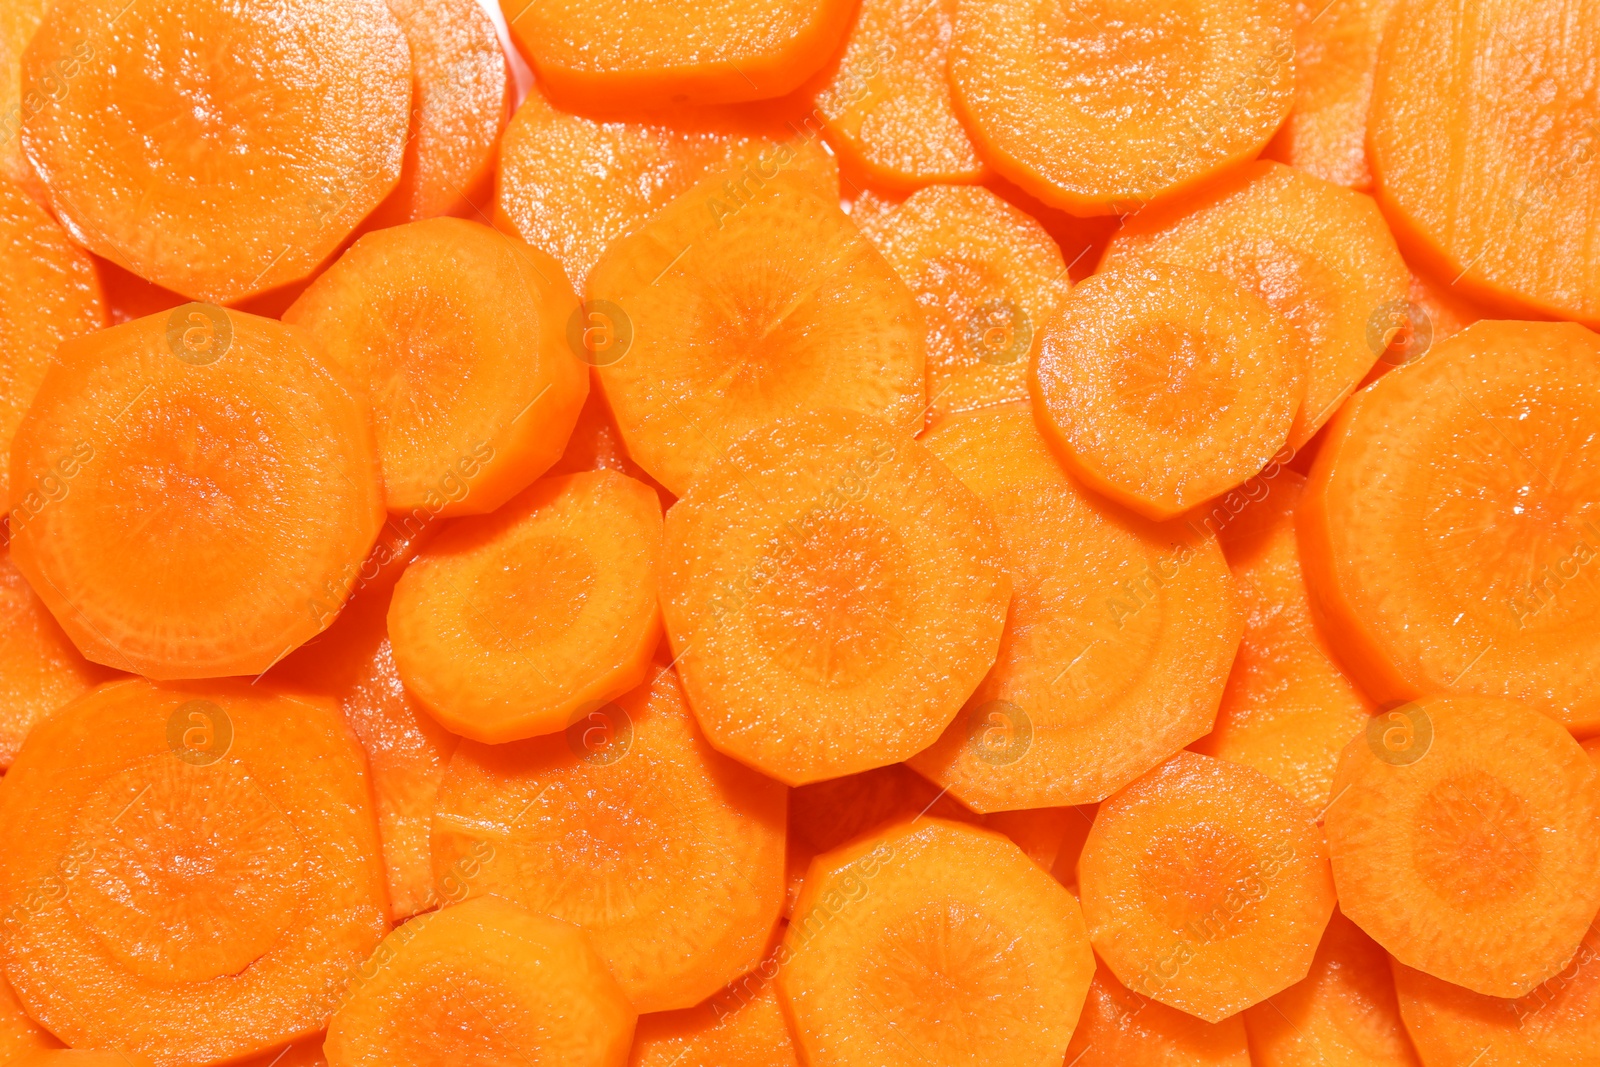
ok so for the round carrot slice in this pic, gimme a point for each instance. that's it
(1319, 254)
(1167, 386)
(750, 1033)
(1463, 840)
(244, 481)
(19, 1034)
(746, 308)
(192, 872)
(482, 982)
(1099, 107)
(1448, 538)
(1120, 1028)
(459, 336)
(220, 149)
(933, 935)
(1206, 886)
(809, 572)
(1118, 640)
(669, 854)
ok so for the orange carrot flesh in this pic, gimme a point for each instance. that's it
(1121, 1028)
(19, 20)
(744, 1033)
(19, 1034)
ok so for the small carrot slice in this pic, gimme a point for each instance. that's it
(1447, 536)
(933, 935)
(749, 1033)
(1463, 840)
(809, 570)
(1118, 640)
(1120, 1028)
(1100, 107)
(459, 336)
(247, 474)
(478, 983)
(192, 872)
(19, 1034)
(1206, 886)
(1321, 255)
(1078, 824)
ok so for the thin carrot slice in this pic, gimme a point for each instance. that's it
(1117, 644)
(129, 296)
(749, 1033)
(1039, 832)
(809, 570)
(243, 476)
(1078, 824)
(1463, 840)
(1592, 747)
(1206, 886)
(483, 982)
(596, 445)
(192, 872)
(933, 935)
(1120, 1028)
(19, 1034)
(1432, 311)
(1167, 386)
(747, 307)
(459, 336)
(220, 149)
(19, 20)
(1101, 107)
(1447, 536)
(669, 854)
(1321, 255)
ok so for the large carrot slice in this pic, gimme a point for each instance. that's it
(1448, 537)
(1120, 1028)
(19, 1034)
(192, 872)
(240, 478)
(808, 572)
(459, 336)
(1118, 640)
(1463, 841)
(748, 1033)
(669, 854)
(1100, 107)
(220, 149)
(1206, 886)
(1321, 255)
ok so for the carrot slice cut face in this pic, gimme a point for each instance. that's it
(809, 571)
(1432, 312)
(1039, 832)
(1078, 824)
(304, 1053)
(1321, 255)
(19, 20)
(1206, 886)
(743, 309)
(185, 855)
(1167, 386)
(1100, 106)
(483, 982)
(669, 854)
(747, 1033)
(19, 1034)
(250, 470)
(459, 336)
(933, 935)
(290, 116)
(1118, 640)
(77, 1058)
(1448, 538)
(1120, 1028)
(1458, 818)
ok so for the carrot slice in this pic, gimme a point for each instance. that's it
(1120, 1028)
(669, 854)
(19, 20)
(192, 871)
(1100, 107)
(78, 1058)
(743, 309)
(933, 935)
(1206, 886)
(596, 445)
(19, 1034)
(1039, 832)
(1117, 644)
(483, 982)
(219, 149)
(1431, 312)
(1319, 254)
(303, 1053)
(1078, 824)
(459, 335)
(1463, 842)
(1592, 747)
(129, 296)
(750, 1033)
(248, 474)
(809, 569)
(1167, 386)
(1447, 537)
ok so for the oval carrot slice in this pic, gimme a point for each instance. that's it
(192, 872)
(1120, 1028)
(19, 1034)
(1118, 640)
(1319, 254)
(1463, 842)
(484, 981)
(809, 569)
(1206, 886)
(1099, 109)
(933, 935)
(243, 475)
(458, 334)
(1446, 535)
(748, 1033)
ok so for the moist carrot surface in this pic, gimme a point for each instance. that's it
(19, 19)
(1121, 1028)
(19, 1034)
(742, 1027)
(77, 1058)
